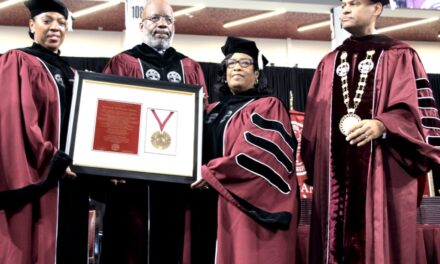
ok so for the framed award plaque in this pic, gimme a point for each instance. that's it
(124, 127)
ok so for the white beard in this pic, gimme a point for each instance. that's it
(157, 43)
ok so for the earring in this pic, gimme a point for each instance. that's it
(256, 81)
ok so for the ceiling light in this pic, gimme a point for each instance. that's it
(188, 10)
(95, 8)
(314, 26)
(407, 25)
(438, 35)
(9, 3)
(254, 18)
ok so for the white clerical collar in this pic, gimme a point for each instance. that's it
(161, 52)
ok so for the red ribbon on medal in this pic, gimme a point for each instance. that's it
(161, 124)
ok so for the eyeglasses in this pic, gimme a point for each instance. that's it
(244, 63)
(156, 18)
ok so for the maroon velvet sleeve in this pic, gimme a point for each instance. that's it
(29, 121)
(124, 65)
(227, 176)
(405, 134)
(194, 75)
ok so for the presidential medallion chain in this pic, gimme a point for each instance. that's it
(342, 71)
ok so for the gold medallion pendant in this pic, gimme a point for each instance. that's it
(161, 140)
(347, 121)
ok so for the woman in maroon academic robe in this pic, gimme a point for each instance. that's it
(36, 86)
(247, 209)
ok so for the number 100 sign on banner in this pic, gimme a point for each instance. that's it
(133, 13)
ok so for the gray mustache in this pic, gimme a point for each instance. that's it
(162, 32)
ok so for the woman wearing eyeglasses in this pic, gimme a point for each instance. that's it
(35, 87)
(246, 205)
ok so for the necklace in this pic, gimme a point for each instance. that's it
(364, 67)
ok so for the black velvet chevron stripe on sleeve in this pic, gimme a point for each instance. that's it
(426, 102)
(422, 83)
(432, 122)
(428, 111)
(435, 141)
(264, 171)
(270, 147)
(272, 220)
(276, 126)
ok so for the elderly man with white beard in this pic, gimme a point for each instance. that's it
(144, 222)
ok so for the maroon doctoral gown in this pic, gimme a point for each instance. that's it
(30, 160)
(161, 206)
(145, 63)
(365, 198)
(248, 160)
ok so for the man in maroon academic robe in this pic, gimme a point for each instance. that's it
(133, 205)
(36, 88)
(369, 123)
